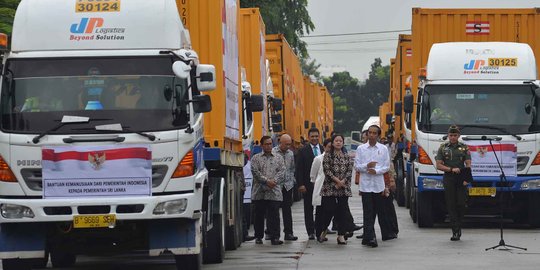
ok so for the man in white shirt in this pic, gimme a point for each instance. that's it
(372, 161)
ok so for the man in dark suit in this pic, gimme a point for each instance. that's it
(303, 167)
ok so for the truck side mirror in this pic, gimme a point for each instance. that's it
(408, 103)
(277, 128)
(256, 103)
(202, 103)
(276, 118)
(277, 104)
(205, 77)
(398, 107)
(181, 69)
(389, 118)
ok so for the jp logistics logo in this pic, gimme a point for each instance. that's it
(86, 25)
(92, 29)
(479, 66)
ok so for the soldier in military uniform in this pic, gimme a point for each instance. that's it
(451, 158)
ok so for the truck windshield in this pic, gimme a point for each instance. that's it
(133, 91)
(510, 107)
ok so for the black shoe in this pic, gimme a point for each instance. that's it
(258, 241)
(360, 236)
(290, 237)
(267, 237)
(331, 232)
(455, 235)
(348, 235)
(312, 236)
(248, 238)
(356, 227)
(372, 243)
(390, 237)
(276, 242)
(459, 232)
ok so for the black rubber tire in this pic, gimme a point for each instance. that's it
(413, 209)
(61, 259)
(534, 210)
(424, 212)
(400, 184)
(214, 250)
(408, 187)
(188, 262)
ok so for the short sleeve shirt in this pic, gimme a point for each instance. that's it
(453, 155)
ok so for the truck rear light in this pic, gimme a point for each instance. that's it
(536, 160)
(423, 157)
(186, 167)
(6, 175)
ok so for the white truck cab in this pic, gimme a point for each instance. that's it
(488, 89)
(88, 83)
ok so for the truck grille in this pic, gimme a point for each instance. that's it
(33, 177)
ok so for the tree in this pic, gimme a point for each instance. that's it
(288, 17)
(310, 68)
(354, 103)
(7, 14)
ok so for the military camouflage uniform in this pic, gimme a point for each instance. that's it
(455, 193)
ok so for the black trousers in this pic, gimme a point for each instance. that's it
(337, 208)
(389, 213)
(318, 219)
(269, 209)
(372, 205)
(286, 210)
(455, 194)
(308, 209)
(246, 219)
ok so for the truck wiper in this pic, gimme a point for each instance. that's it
(66, 120)
(118, 127)
(505, 131)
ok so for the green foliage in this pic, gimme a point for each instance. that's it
(288, 17)
(7, 14)
(310, 68)
(354, 103)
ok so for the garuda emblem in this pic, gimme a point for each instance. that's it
(96, 160)
(482, 150)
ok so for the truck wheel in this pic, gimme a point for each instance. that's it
(40, 263)
(16, 264)
(424, 212)
(62, 258)
(214, 246)
(408, 194)
(412, 209)
(400, 186)
(188, 262)
(534, 212)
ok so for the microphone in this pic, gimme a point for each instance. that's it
(483, 138)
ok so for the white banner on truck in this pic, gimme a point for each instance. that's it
(484, 161)
(96, 171)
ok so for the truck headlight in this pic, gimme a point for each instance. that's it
(432, 184)
(531, 184)
(14, 211)
(171, 207)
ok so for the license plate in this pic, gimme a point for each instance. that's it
(482, 191)
(94, 221)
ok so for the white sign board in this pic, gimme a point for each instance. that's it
(96, 171)
(248, 177)
(484, 158)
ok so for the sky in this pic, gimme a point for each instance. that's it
(356, 53)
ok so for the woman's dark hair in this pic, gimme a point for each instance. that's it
(327, 141)
(334, 138)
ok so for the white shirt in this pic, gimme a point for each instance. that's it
(317, 176)
(366, 154)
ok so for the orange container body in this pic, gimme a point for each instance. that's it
(431, 26)
(310, 106)
(329, 107)
(288, 84)
(402, 79)
(214, 27)
(253, 59)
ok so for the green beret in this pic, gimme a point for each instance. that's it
(453, 129)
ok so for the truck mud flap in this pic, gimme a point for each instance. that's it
(176, 235)
(22, 240)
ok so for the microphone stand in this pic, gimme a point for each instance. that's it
(502, 180)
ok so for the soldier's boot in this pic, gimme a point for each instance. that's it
(455, 235)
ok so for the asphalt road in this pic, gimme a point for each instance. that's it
(413, 249)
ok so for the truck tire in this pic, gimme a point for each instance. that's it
(61, 259)
(214, 250)
(400, 185)
(16, 264)
(412, 206)
(534, 209)
(408, 194)
(188, 262)
(40, 263)
(424, 212)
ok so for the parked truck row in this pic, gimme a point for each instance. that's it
(124, 126)
(478, 69)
